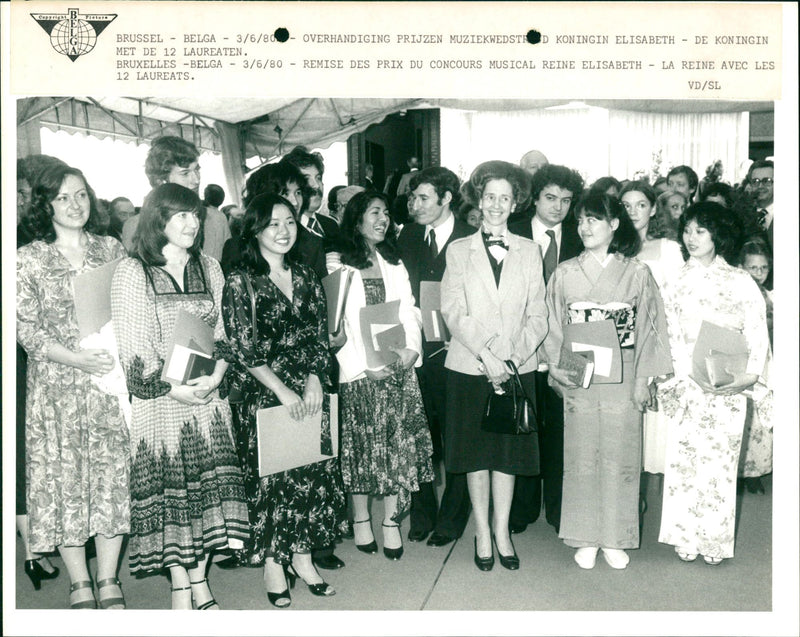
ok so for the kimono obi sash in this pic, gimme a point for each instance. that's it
(623, 315)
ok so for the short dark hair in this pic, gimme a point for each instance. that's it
(755, 247)
(159, 206)
(759, 163)
(213, 195)
(599, 205)
(37, 219)
(721, 189)
(354, 248)
(274, 178)
(166, 153)
(561, 176)
(691, 176)
(723, 225)
(604, 183)
(496, 169)
(442, 180)
(332, 196)
(301, 157)
(257, 216)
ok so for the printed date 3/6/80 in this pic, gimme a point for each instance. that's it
(255, 38)
(704, 85)
(262, 64)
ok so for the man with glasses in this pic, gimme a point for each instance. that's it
(761, 186)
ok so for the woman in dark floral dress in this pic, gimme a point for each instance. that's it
(386, 443)
(283, 360)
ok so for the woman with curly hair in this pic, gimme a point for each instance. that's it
(187, 498)
(76, 438)
(493, 304)
(706, 422)
(386, 446)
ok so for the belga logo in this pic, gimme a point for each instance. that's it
(73, 34)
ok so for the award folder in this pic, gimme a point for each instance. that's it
(719, 352)
(430, 304)
(375, 321)
(600, 338)
(92, 293)
(336, 285)
(190, 350)
(579, 366)
(285, 443)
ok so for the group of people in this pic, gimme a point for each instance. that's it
(175, 466)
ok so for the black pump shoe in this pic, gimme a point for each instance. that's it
(284, 598)
(392, 554)
(483, 563)
(511, 562)
(372, 547)
(36, 573)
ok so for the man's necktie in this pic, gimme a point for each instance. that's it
(315, 227)
(550, 260)
(762, 217)
(432, 249)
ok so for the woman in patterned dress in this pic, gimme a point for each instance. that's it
(706, 423)
(282, 360)
(187, 497)
(603, 423)
(386, 445)
(76, 438)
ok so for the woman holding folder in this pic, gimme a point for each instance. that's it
(705, 422)
(493, 304)
(386, 445)
(76, 439)
(187, 498)
(603, 423)
(276, 321)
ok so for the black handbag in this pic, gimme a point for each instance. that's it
(512, 412)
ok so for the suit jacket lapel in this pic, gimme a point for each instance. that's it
(512, 268)
(480, 262)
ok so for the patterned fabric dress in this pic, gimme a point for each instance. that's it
(186, 486)
(705, 430)
(77, 442)
(602, 425)
(303, 508)
(386, 445)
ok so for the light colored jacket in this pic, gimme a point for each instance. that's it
(511, 318)
(352, 357)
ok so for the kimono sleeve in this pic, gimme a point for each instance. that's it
(652, 356)
(31, 333)
(555, 300)
(754, 325)
(133, 315)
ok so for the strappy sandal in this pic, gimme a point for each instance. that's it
(392, 554)
(369, 548)
(85, 603)
(113, 602)
(205, 605)
(178, 589)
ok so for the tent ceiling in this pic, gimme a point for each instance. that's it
(271, 126)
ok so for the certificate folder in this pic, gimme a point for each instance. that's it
(375, 320)
(719, 352)
(192, 341)
(285, 443)
(430, 304)
(336, 285)
(92, 292)
(600, 339)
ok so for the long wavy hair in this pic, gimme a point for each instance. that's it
(159, 207)
(37, 219)
(355, 251)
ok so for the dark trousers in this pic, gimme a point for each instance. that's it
(530, 492)
(450, 517)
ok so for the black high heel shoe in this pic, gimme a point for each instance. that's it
(392, 554)
(284, 598)
(511, 562)
(322, 589)
(483, 563)
(370, 548)
(36, 573)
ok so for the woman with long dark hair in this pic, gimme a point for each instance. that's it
(282, 359)
(76, 438)
(187, 498)
(386, 445)
(603, 423)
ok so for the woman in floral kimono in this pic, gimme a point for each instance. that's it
(706, 423)
(603, 424)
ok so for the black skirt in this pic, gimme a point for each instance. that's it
(467, 447)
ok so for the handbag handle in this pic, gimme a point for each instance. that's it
(518, 385)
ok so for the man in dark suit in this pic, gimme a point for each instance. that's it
(554, 191)
(422, 248)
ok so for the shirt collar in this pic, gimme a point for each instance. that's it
(539, 230)
(443, 231)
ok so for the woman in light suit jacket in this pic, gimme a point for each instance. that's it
(386, 446)
(493, 303)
